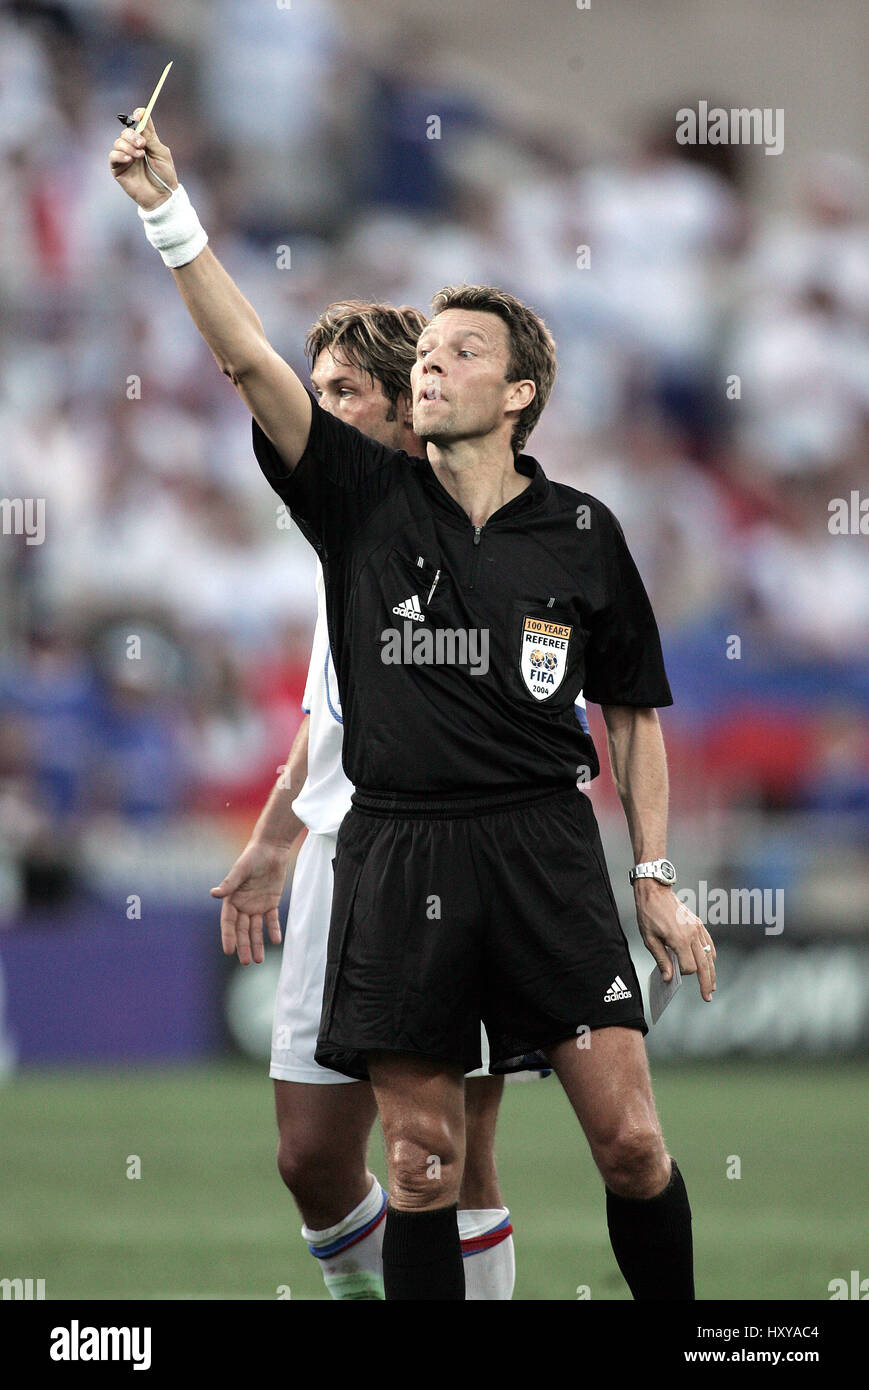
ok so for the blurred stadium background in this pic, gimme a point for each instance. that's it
(131, 772)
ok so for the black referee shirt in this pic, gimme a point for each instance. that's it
(460, 650)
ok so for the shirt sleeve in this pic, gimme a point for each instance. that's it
(338, 481)
(315, 668)
(306, 698)
(624, 664)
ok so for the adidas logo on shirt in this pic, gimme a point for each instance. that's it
(410, 609)
(617, 990)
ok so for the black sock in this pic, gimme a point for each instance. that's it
(651, 1240)
(422, 1255)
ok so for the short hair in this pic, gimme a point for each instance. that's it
(532, 347)
(378, 338)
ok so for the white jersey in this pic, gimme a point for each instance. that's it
(324, 800)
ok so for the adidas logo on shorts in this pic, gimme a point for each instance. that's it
(617, 990)
(410, 609)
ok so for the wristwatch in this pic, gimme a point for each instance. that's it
(659, 869)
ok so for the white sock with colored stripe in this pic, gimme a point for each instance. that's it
(350, 1252)
(487, 1252)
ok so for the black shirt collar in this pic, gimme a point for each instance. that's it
(525, 501)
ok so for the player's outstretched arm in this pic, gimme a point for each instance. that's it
(251, 892)
(278, 824)
(639, 767)
(227, 321)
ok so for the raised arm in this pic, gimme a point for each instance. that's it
(227, 321)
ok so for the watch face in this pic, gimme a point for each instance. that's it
(668, 872)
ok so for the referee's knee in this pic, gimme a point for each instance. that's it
(634, 1162)
(423, 1171)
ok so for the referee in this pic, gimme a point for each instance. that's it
(470, 600)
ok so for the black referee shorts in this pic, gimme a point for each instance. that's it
(446, 913)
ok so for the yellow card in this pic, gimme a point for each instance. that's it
(154, 95)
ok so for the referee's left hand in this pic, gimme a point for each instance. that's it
(665, 921)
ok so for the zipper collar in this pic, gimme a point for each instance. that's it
(526, 501)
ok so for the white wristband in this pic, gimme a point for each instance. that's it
(173, 229)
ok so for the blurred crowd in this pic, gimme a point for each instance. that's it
(713, 390)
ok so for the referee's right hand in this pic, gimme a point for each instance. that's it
(127, 163)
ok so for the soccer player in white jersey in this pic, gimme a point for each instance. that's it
(361, 356)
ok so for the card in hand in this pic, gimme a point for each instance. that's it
(661, 992)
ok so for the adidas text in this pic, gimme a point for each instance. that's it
(617, 990)
(410, 609)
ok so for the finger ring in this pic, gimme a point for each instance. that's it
(707, 948)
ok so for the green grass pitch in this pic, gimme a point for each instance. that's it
(210, 1219)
